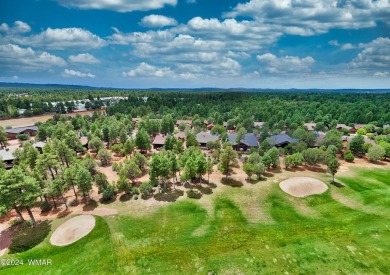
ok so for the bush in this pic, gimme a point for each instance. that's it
(135, 190)
(108, 193)
(135, 197)
(28, 237)
(46, 207)
(146, 188)
(375, 153)
(192, 194)
(348, 156)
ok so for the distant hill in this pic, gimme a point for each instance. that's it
(202, 89)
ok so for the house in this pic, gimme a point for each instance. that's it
(159, 141)
(340, 127)
(84, 141)
(281, 140)
(135, 120)
(320, 136)
(349, 138)
(7, 156)
(204, 137)
(258, 124)
(249, 141)
(186, 122)
(28, 130)
(39, 145)
(181, 135)
(310, 126)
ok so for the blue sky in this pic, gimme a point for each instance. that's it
(197, 43)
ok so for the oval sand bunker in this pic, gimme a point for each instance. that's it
(303, 186)
(73, 230)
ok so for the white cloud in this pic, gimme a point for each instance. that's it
(73, 73)
(18, 27)
(287, 64)
(374, 57)
(157, 21)
(59, 39)
(309, 17)
(118, 5)
(382, 74)
(84, 58)
(16, 58)
(346, 46)
(146, 70)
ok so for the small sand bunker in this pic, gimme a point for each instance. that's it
(73, 230)
(303, 186)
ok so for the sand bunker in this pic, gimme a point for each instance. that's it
(73, 230)
(303, 186)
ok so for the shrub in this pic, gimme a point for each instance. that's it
(348, 156)
(375, 153)
(146, 188)
(108, 193)
(135, 197)
(192, 194)
(46, 207)
(28, 237)
(135, 190)
(22, 137)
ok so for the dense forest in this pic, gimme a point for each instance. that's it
(275, 108)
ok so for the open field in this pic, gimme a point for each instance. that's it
(28, 121)
(254, 229)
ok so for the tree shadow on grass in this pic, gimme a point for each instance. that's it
(90, 205)
(212, 185)
(268, 175)
(316, 169)
(64, 213)
(296, 169)
(231, 182)
(125, 197)
(205, 190)
(337, 184)
(170, 196)
(194, 194)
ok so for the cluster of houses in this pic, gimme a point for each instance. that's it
(248, 142)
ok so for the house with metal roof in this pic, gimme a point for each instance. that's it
(28, 130)
(281, 140)
(249, 141)
(159, 141)
(204, 137)
(7, 156)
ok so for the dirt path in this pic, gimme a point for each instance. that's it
(73, 230)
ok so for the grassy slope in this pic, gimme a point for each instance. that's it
(184, 239)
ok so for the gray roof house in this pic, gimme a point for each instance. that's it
(250, 140)
(204, 137)
(281, 140)
(19, 130)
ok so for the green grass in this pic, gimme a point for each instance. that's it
(341, 240)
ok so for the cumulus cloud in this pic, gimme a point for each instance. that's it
(346, 46)
(118, 5)
(287, 64)
(84, 58)
(375, 56)
(157, 21)
(73, 73)
(382, 74)
(18, 27)
(16, 58)
(309, 17)
(146, 70)
(59, 39)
